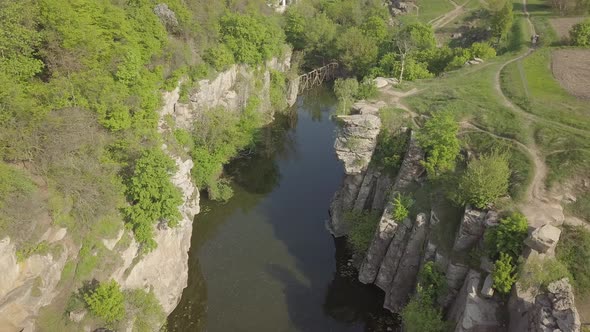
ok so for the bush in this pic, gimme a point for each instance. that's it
(507, 237)
(362, 229)
(401, 207)
(367, 89)
(431, 282)
(106, 302)
(420, 316)
(145, 309)
(220, 57)
(580, 34)
(573, 250)
(504, 274)
(152, 196)
(482, 50)
(390, 151)
(485, 180)
(439, 140)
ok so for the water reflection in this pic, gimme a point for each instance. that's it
(264, 261)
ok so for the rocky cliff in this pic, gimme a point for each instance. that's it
(28, 285)
(400, 248)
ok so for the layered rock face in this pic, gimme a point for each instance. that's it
(551, 309)
(355, 144)
(165, 269)
(27, 286)
(231, 90)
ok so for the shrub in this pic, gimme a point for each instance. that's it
(485, 180)
(357, 52)
(482, 50)
(152, 196)
(106, 301)
(362, 228)
(580, 34)
(220, 57)
(573, 250)
(421, 316)
(439, 140)
(507, 237)
(145, 309)
(390, 151)
(431, 282)
(401, 207)
(367, 89)
(504, 274)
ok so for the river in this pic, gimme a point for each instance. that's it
(264, 261)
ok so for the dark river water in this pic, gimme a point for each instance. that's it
(264, 261)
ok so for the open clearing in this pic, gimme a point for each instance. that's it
(562, 25)
(572, 69)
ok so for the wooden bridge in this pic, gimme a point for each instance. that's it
(317, 76)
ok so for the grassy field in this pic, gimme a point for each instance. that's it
(429, 10)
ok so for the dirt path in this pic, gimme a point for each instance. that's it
(447, 18)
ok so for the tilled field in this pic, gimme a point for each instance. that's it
(563, 25)
(572, 69)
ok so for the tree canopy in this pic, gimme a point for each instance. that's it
(439, 140)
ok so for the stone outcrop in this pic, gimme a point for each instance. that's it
(27, 286)
(166, 15)
(543, 238)
(363, 186)
(555, 310)
(407, 271)
(356, 141)
(471, 312)
(471, 229)
(410, 171)
(231, 90)
(455, 276)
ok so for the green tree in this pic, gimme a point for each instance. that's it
(580, 34)
(501, 21)
(295, 27)
(152, 196)
(357, 52)
(439, 140)
(346, 90)
(485, 180)
(482, 50)
(410, 39)
(106, 301)
(504, 274)
(508, 237)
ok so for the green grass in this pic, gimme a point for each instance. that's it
(470, 94)
(429, 10)
(581, 207)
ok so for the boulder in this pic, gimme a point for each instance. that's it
(472, 313)
(487, 290)
(543, 238)
(380, 82)
(471, 229)
(77, 316)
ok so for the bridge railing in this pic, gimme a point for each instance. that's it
(317, 76)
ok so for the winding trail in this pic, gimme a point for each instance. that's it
(447, 18)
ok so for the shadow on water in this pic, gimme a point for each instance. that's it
(264, 261)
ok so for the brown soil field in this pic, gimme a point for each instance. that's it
(572, 69)
(562, 25)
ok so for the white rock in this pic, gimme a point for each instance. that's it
(380, 82)
(543, 238)
(487, 290)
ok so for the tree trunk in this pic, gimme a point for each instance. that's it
(401, 74)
